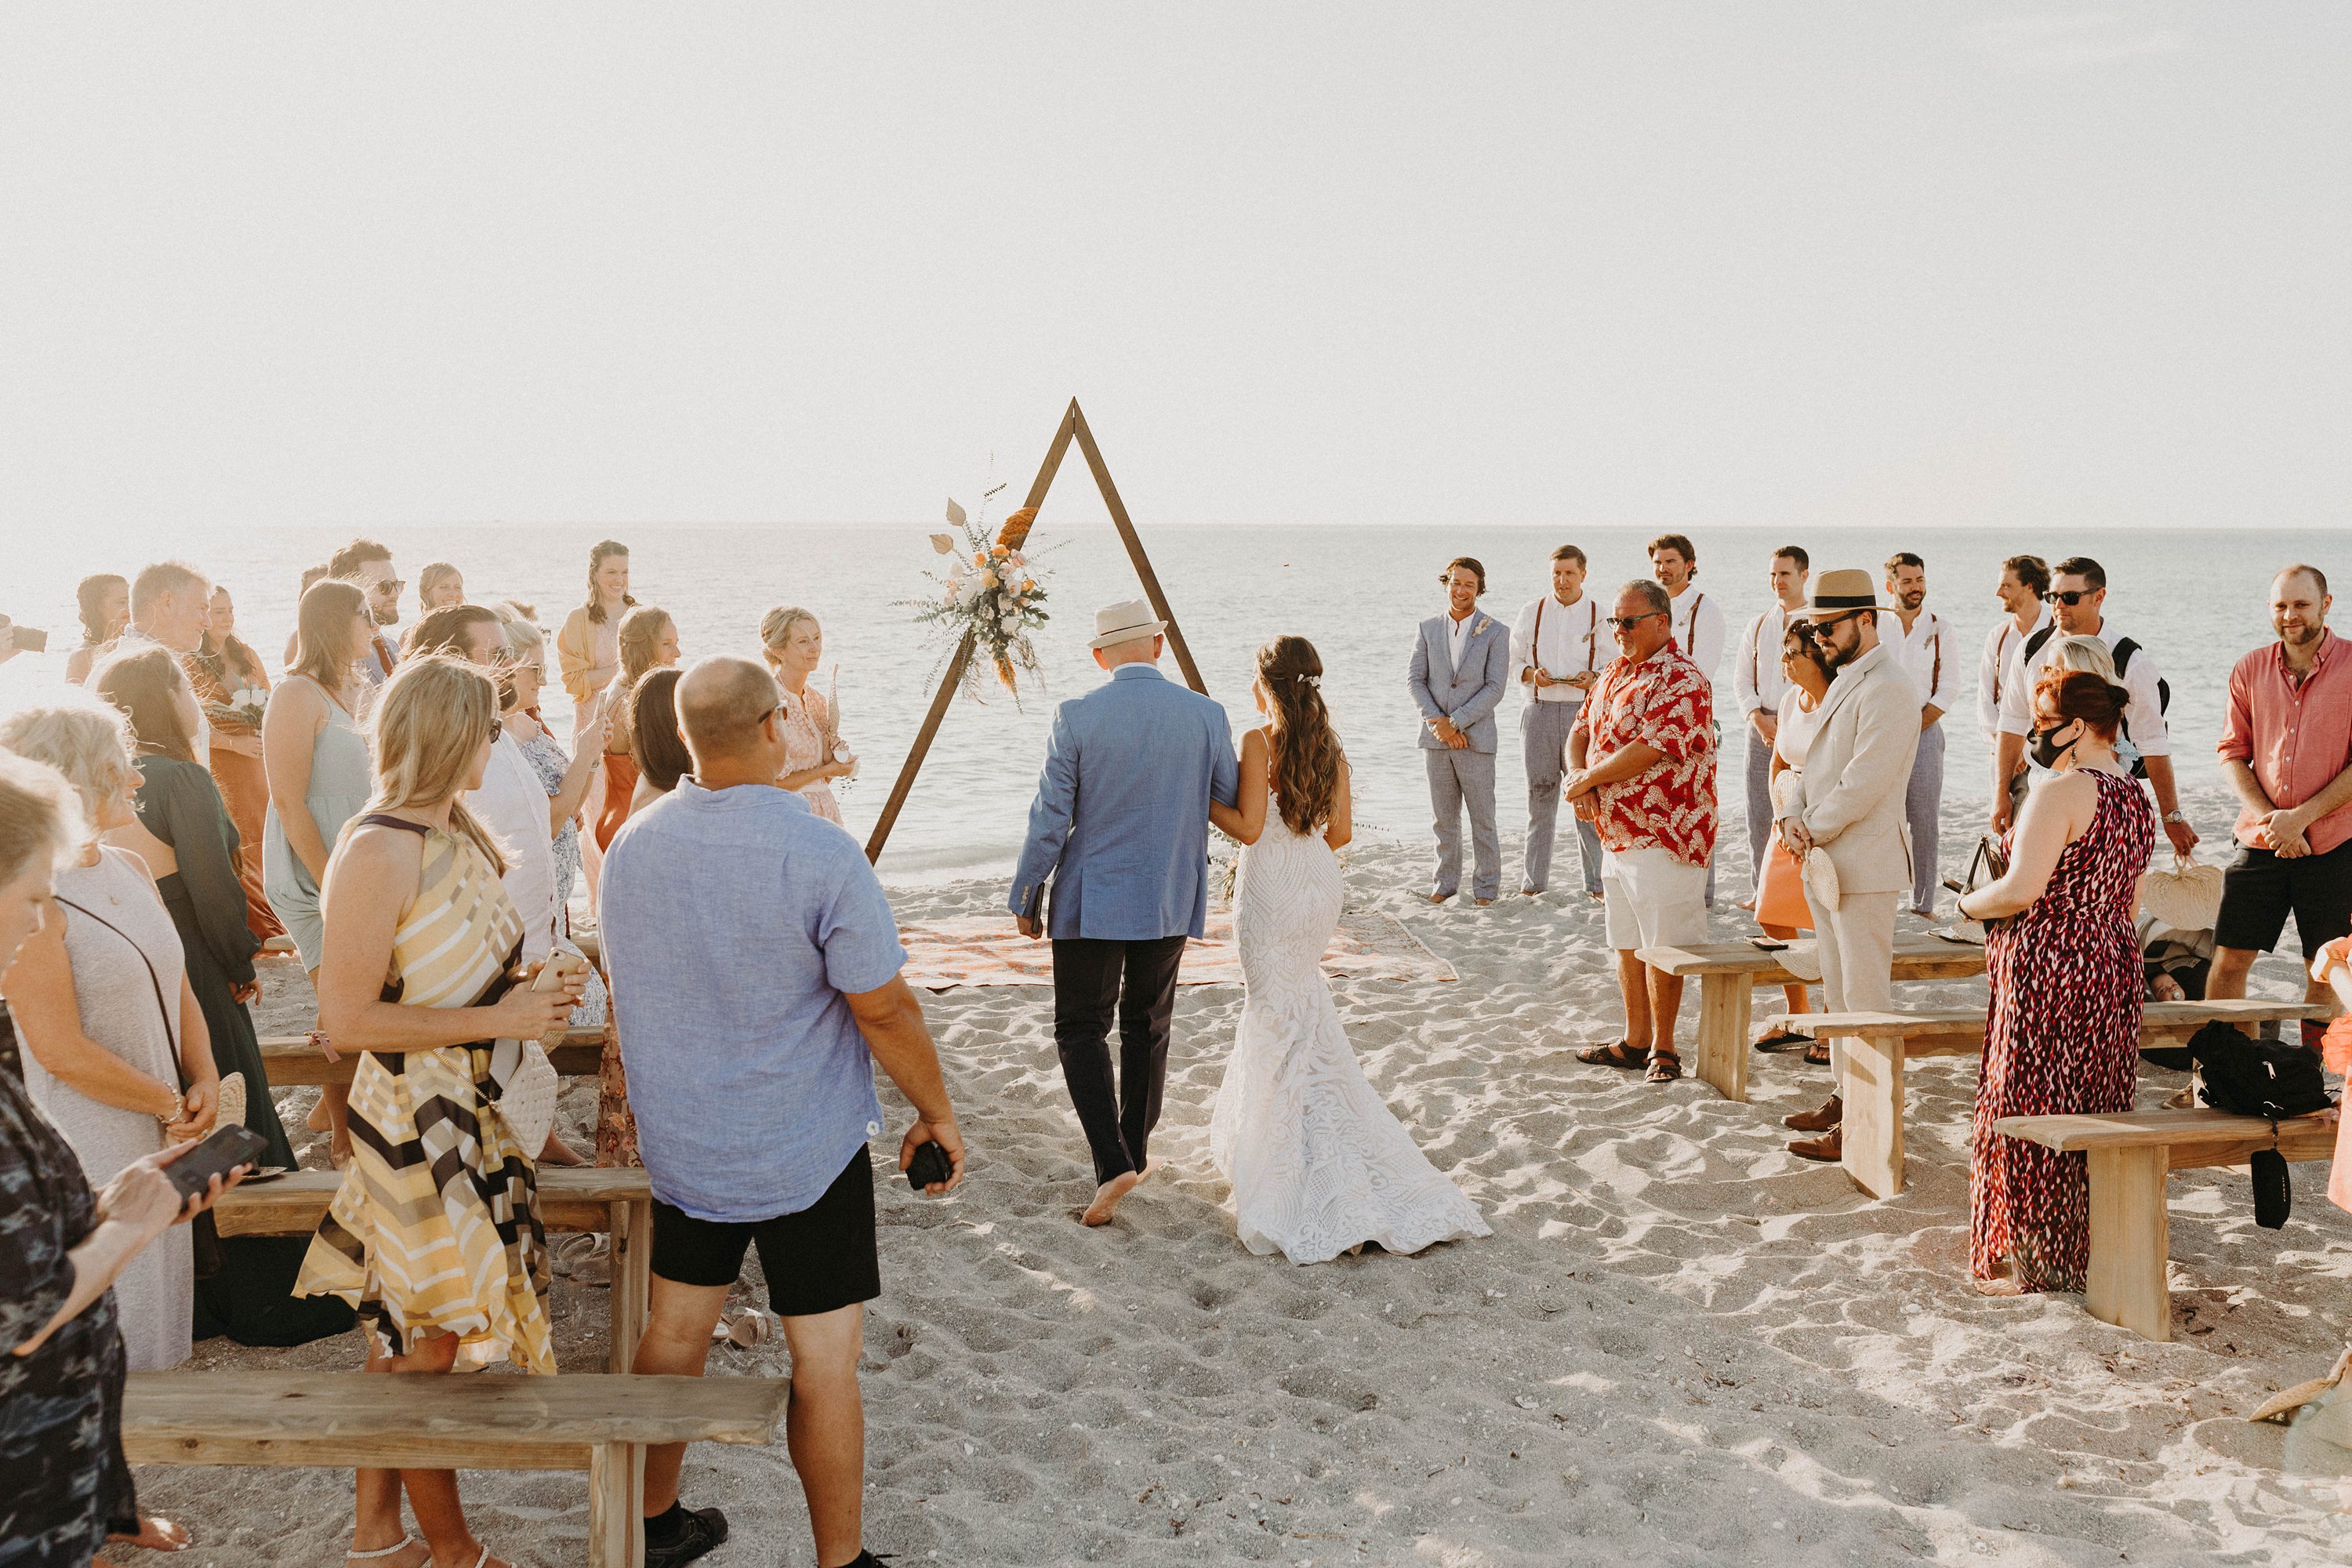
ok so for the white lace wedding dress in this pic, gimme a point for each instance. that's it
(1318, 1163)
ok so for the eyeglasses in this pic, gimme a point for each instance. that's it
(390, 586)
(2069, 596)
(1820, 630)
(1627, 623)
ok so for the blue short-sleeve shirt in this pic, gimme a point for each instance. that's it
(734, 921)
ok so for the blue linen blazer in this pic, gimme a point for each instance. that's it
(1121, 818)
(1469, 695)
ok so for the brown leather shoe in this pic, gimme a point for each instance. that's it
(1820, 1119)
(1827, 1147)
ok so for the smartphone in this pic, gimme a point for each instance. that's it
(1769, 944)
(558, 965)
(227, 1148)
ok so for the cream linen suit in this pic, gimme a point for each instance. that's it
(1851, 799)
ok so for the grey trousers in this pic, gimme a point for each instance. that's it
(1457, 779)
(1923, 804)
(1760, 808)
(1543, 739)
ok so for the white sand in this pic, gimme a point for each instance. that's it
(1681, 1346)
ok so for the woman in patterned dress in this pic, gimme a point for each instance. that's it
(435, 1234)
(2062, 1033)
(793, 643)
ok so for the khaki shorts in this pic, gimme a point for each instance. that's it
(1649, 898)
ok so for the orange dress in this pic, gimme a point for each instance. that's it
(217, 674)
(620, 766)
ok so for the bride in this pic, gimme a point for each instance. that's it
(1318, 1164)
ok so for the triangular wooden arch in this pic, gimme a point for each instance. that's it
(1015, 530)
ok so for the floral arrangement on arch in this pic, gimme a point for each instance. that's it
(989, 590)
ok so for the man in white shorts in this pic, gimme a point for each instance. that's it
(1644, 757)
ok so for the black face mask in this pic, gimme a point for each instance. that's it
(2046, 749)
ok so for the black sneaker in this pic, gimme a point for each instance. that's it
(698, 1533)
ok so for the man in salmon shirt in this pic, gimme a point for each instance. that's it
(2287, 748)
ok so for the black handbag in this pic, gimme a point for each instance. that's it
(2266, 1078)
(203, 1233)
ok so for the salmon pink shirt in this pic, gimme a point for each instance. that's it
(2295, 737)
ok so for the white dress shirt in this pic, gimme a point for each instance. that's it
(1699, 628)
(2003, 640)
(1759, 680)
(2144, 716)
(1563, 640)
(1925, 652)
(1457, 632)
(512, 804)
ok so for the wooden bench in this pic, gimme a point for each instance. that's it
(1729, 971)
(1877, 1045)
(292, 1060)
(489, 1421)
(618, 1201)
(2130, 1155)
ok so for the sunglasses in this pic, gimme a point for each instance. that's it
(2069, 596)
(1820, 630)
(1627, 623)
(391, 585)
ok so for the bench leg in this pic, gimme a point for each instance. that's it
(1723, 1025)
(1872, 1134)
(2131, 1241)
(616, 1483)
(632, 1279)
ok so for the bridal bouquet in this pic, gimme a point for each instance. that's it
(990, 591)
(244, 705)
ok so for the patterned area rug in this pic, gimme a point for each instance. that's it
(943, 954)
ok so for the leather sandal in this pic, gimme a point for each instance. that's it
(1817, 1054)
(1780, 1041)
(1664, 1067)
(1616, 1054)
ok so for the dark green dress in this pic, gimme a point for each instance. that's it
(179, 804)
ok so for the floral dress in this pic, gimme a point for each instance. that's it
(807, 745)
(2062, 1037)
(547, 756)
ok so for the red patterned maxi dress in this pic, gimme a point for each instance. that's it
(2062, 1037)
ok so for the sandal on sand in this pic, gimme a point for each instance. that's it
(1664, 1067)
(394, 1550)
(1783, 1040)
(1817, 1054)
(1617, 1053)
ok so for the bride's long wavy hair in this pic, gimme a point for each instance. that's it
(1306, 752)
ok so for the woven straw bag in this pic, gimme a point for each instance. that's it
(2188, 897)
(526, 1099)
(230, 1107)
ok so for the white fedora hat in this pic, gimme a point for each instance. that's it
(1127, 621)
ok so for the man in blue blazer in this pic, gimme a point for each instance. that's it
(1461, 665)
(1121, 826)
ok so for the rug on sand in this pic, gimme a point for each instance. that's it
(943, 954)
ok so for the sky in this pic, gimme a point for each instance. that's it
(1703, 265)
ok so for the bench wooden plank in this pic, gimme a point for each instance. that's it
(616, 1200)
(2130, 1154)
(292, 1060)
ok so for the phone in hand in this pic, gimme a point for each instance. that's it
(560, 964)
(24, 640)
(227, 1148)
(930, 1164)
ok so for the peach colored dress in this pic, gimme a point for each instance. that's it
(804, 747)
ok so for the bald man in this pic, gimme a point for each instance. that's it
(755, 982)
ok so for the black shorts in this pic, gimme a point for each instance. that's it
(817, 1260)
(2260, 891)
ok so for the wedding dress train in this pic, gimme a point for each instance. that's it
(1318, 1163)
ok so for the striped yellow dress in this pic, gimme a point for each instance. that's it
(436, 1224)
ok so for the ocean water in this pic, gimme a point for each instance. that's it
(2194, 600)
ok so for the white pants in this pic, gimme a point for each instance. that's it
(1857, 944)
(1652, 899)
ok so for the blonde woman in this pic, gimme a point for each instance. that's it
(794, 643)
(116, 1052)
(585, 650)
(439, 586)
(647, 642)
(435, 1235)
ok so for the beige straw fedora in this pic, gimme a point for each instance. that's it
(1126, 621)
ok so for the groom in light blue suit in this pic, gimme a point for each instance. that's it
(1121, 826)
(1461, 667)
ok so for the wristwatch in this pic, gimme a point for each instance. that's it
(2176, 815)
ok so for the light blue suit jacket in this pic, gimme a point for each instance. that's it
(1469, 695)
(1121, 818)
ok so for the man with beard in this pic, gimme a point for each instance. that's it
(1919, 640)
(368, 564)
(2023, 580)
(2287, 748)
(1848, 811)
(170, 607)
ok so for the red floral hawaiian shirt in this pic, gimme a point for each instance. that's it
(1664, 702)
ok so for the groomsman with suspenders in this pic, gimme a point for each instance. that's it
(1919, 638)
(1698, 623)
(1555, 656)
(1758, 682)
(2025, 579)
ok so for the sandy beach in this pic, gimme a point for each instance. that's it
(1681, 1346)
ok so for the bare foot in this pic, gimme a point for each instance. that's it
(157, 1533)
(558, 1153)
(1439, 897)
(1108, 1197)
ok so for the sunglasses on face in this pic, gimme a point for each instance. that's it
(392, 587)
(1627, 623)
(2069, 596)
(1820, 630)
